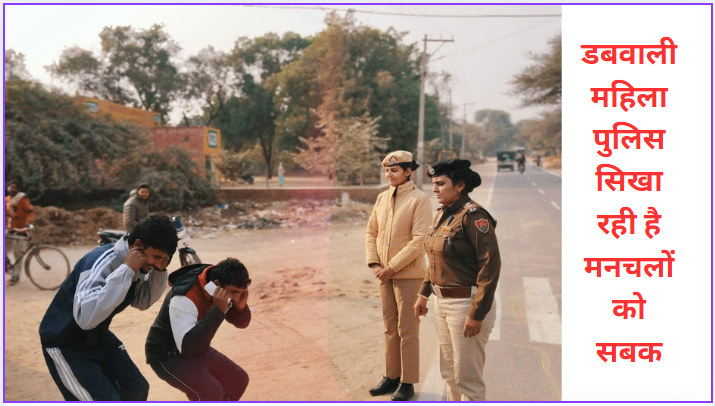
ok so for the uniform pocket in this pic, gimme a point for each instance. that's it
(442, 241)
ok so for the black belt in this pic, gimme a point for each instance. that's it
(452, 292)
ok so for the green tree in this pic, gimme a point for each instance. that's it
(51, 143)
(249, 116)
(350, 70)
(136, 67)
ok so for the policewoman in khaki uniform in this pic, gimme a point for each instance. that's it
(463, 272)
(394, 242)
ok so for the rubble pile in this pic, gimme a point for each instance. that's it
(58, 226)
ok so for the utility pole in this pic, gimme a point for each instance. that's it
(464, 131)
(421, 125)
(451, 133)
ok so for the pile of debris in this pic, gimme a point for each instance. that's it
(61, 227)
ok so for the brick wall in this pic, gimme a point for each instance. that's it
(190, 139)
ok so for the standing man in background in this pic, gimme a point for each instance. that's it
(137, 206)
(18, 214)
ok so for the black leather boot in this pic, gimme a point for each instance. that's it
(404, 392)
(385, 386)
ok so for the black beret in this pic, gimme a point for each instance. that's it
(448, 166)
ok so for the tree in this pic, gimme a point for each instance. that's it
(542, 134)
(350, 70)
(134, 67)
(540, 83)
(210, 81)
(250, 115)
(15, 66)
(496, 129)
(350, 147)
(51, 143)
(173, 176)
(320, 152)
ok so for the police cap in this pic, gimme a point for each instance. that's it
(396, 158)
(449, 166)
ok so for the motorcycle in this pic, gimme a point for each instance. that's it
(522, 167)
(248, 178)
(187, 255)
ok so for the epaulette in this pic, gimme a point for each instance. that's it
(474, 207)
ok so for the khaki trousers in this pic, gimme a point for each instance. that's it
(461, 359)
(402, 334)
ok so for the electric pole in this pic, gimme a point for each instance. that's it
(421, 125)
(451, 133)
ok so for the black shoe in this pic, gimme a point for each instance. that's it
(385, 386)
(404, 392)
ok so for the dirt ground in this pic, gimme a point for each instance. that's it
(316, 332)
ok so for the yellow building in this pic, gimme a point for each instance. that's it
(119, 112)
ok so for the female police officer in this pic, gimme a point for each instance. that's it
(394, 240)
(463, 273)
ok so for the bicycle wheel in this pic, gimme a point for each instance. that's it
(47, 267)
(188, 258)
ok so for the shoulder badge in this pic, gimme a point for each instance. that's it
(471, 207)
(482, 225)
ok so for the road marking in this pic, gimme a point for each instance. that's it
(496, 331)
(542, 311)
(541, 191)
(553, 173)
(433, 388)
(555, 205)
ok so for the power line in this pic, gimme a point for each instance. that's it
(386, 13)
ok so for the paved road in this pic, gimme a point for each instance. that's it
(524, 350)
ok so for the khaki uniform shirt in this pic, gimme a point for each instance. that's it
(462, 250)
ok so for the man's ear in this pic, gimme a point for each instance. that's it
(138, 244)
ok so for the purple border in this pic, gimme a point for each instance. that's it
(444, 4)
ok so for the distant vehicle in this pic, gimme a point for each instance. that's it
(506, 160)
(444, 154)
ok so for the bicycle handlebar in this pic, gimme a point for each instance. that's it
(22, 230)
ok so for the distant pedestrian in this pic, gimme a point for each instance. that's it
(178, 346)
(19, 214)
(394, 241)
(281, 174)
(464, 266)
(137, 206)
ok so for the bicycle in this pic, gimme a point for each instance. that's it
(46, 266)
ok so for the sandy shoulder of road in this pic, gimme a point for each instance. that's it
(316, 332)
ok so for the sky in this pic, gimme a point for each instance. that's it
(486, 53)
